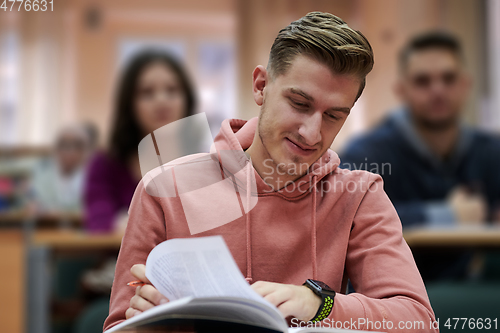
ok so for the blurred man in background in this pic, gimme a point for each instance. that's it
(436, 170)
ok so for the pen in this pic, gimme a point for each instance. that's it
(136, 283)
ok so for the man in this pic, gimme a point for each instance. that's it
(436, 170)
(312, 219)
(58, 180)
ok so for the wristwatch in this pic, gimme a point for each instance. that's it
(327, 296)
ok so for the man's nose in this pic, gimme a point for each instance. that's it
(310, 129)
(438, 87)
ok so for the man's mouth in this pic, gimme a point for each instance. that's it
(299, 149)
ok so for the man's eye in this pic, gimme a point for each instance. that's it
(422, 81)
(298, 104)
(332, 116)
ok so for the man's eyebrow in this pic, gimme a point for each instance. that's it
(341, 109)
(301, 93)
(310, 98)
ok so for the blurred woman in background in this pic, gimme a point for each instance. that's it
(154, 91)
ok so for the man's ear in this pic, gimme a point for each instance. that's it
(259, 82)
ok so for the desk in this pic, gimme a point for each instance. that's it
(68, 239)
(22, 219)
(46, 247)
(454, 237)
(12, 281)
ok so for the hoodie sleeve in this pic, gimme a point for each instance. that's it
(145, 230)
(381, 268)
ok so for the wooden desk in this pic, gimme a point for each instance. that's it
(68, 239)
(19, 218)
(459, 237)
(12, 281)
(46, 247)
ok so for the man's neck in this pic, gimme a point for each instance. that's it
(441, 141)
(267, 168)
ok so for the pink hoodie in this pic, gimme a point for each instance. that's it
(328, 225)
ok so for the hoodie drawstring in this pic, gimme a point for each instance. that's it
(313, 231)
(248, 229)
(249, 233)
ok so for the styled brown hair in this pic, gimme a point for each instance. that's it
(326, 38)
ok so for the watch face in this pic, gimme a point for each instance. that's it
(321, 288)
(321, 285)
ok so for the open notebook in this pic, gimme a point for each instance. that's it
(207, 293)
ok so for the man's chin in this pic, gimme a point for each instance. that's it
(438, 123)
(297, 166)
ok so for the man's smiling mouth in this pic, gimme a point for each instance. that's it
(298, 148)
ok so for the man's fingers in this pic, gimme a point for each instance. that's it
(278, 296)
(139, 303)
(131, 312)
(264, 288)
(139, 271)
(288, 308)
(151, 294)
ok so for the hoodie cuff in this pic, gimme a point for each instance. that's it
(347, 308)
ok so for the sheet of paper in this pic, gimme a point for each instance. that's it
(199, 267)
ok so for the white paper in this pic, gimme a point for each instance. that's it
(199, 267)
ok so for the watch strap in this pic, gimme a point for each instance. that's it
(325, 308)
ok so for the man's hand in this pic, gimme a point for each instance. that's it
(297, 301)
(469, 208)
(145, 296)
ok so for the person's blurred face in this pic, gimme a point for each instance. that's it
(72, 148)
(434, 86)
(302, 111)
(159, 97)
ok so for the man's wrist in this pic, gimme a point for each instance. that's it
(326, 296)
(315, 304)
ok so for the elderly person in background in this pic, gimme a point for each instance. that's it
(58, 181)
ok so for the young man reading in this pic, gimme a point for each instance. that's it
(313, 220)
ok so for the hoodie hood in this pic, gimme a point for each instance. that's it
(237, 135)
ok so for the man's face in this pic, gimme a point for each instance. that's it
(434, 87)
(72, 149)
(302, 112)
